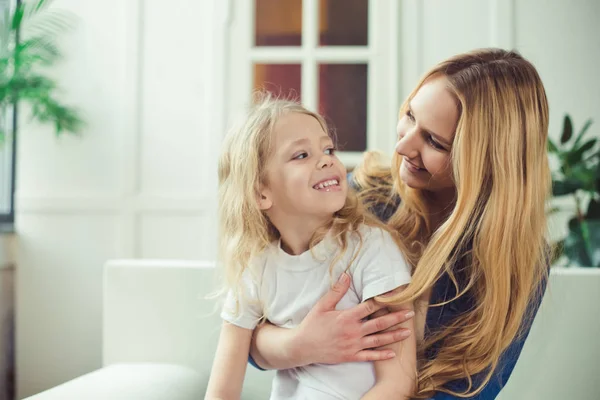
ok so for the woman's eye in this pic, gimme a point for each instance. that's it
(330, 151)
(410, 115)
(434, 144)
(300, 156)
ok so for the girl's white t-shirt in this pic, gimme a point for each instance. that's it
(283, 288)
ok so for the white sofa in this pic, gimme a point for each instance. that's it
(159, 336)
(160, 333)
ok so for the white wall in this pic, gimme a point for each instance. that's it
(561, 38)
(140, 181)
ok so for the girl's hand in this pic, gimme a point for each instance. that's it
(331, 337)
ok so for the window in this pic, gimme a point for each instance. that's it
(338, 57)
(7, 151)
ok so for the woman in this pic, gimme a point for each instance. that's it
(471, 170)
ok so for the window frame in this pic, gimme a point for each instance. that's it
(381, 56)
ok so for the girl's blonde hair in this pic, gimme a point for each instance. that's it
(245, 231)
(496, 228)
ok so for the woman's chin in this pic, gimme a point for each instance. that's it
(410, 180)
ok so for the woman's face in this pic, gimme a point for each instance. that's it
(425, 136)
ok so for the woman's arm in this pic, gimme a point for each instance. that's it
(396, 377)
(229, 367)
(330, 336)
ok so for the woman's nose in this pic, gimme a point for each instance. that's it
(407, 145)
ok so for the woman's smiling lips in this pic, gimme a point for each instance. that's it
(412, 167)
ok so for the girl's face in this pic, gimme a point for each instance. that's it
(425, 136)
(304, 177)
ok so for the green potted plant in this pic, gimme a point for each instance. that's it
(28, 46)
(578, 176)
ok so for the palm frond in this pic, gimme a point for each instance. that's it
(49, 110)
(37, 28)
(50, 24)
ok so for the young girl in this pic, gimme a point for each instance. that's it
(289, 228)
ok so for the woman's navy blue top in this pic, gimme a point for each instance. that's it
(440, 316)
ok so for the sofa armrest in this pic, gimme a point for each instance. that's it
(131, 381)
(156, 311)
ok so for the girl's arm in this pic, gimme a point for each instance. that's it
(229, 366)
(330, 336)
(396, 377)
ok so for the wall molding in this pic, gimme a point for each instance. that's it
(98, 203)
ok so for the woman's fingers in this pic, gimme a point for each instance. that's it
(382, 312)
(334, 295)
(373, 355)
(386, 321)
(383, 339)
(364, 309)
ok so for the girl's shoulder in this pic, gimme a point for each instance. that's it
(258, 263)
(374, 236)
(379, 260)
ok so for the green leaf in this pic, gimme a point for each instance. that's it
(20, 78)
(582, 245)
(575, 250)
(41, 4)
(47, 109)
(49, 24)
(593, 211)
(583, 175)
(597, 185)
(567, 130)
(575, 245)
(594, 229)
(576, 156)
(586, 126)
(17, 17)
(33, 9)
(563, 187)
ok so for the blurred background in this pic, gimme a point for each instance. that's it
(157, 83)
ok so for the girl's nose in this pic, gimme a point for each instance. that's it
(325, 162)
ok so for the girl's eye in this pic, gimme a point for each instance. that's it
(434, 144)
(330, 151)
(410, 115)
(300, 156)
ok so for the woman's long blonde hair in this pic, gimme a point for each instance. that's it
(244, 229)
(496, 229)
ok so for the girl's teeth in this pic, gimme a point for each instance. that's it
(323, 185)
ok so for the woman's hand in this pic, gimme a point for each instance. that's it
(331, 337)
